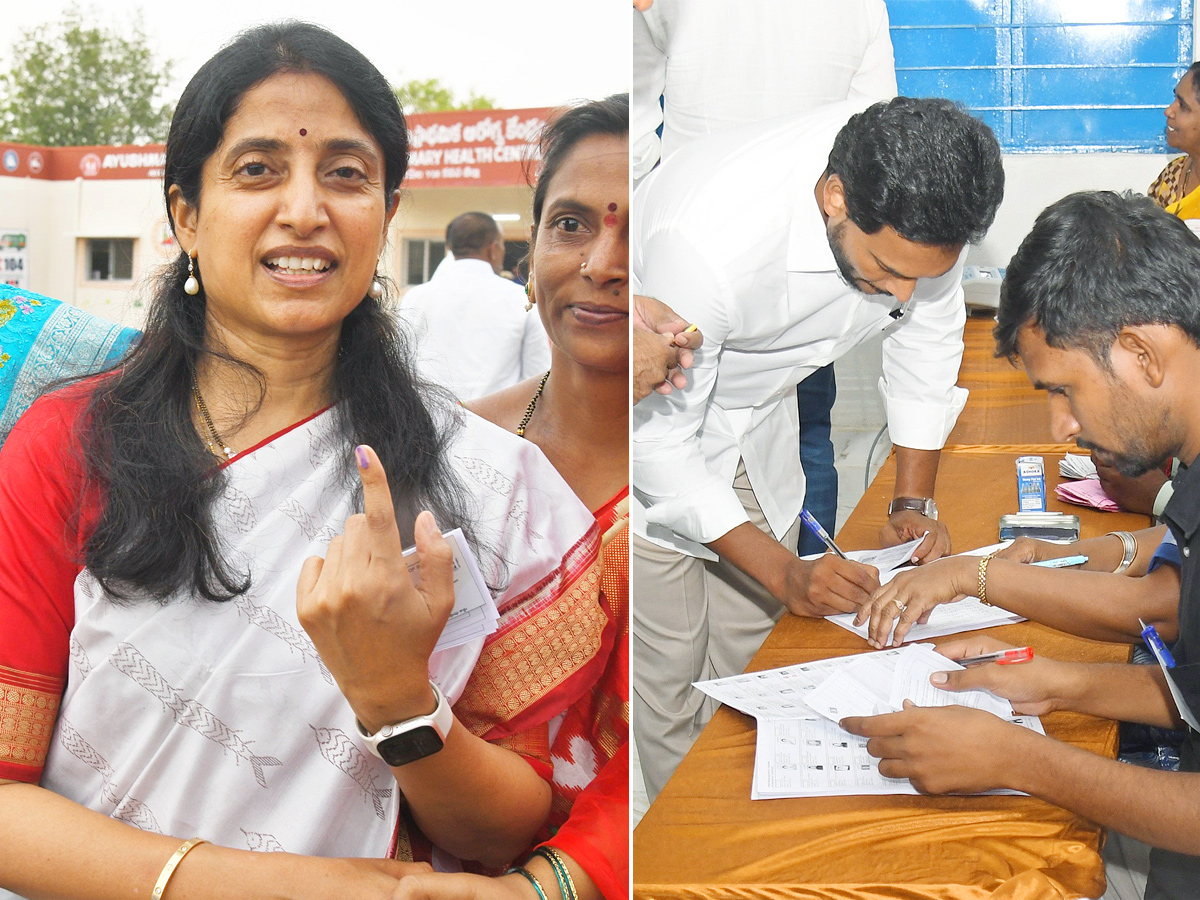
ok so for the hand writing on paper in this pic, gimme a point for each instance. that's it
(909, 597)
(662, 347)
(943, 750)
(827, 585)
(374, 629)
(907, 525)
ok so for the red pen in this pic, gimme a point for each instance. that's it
(1000, 657)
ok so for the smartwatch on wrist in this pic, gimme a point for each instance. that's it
(412, 739)
(924, 505)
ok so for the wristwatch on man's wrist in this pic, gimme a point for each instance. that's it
(412, 739)
(924, 505)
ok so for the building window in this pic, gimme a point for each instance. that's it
(421, 258)
(110, 259)
(1049, 75)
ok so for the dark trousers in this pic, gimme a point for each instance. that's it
(814, 397)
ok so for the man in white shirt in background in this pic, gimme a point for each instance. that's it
(720, 64)
(470, 327)
(787, 243)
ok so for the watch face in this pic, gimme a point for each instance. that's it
(410, 746)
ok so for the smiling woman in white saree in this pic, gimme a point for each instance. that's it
(168, 658)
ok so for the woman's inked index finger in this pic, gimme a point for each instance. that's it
(377, 496)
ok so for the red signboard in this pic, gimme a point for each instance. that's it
(89, 163)
(478, 148)
(487, 147)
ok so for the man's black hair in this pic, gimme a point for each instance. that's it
(1094, 263)
(926, 168)
(470, 232)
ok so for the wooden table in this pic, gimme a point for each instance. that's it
(1003, 407)
(704, 838)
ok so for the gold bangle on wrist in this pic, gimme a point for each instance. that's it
(983, 564)
(172, 864)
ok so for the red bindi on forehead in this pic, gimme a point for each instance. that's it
(303, 132)
(612, 207)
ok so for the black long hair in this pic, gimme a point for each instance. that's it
(156, 535)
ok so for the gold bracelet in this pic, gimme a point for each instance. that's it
(983, 564)
(172, 864)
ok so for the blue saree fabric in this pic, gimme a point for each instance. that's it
(42, 340)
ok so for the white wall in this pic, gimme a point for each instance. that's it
(1035, 180)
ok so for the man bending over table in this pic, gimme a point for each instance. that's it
(1101, 304)
(787, 243)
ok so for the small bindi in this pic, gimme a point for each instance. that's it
(610, 220)
(303, 132)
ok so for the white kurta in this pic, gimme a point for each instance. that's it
(729, 234)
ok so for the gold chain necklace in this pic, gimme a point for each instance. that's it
(214, 441)
(532, 406)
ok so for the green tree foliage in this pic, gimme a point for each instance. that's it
(73, 83)
(430, 95)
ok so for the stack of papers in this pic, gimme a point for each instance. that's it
(1087, 492)
(802, 752)
(1076, 465)
(474, 614)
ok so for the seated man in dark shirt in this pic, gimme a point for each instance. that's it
(1102, 307)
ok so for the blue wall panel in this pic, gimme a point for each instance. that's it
(1104, 70)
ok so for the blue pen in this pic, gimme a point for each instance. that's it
(1150, 636)
(815, 527)
(1061, 563)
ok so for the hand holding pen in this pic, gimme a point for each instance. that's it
(830, 584)
(1030, 683)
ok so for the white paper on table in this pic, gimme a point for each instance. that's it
(813, 757)
(862, 687)
(911, 682)
(874, 683)
(474, 614)
(885, 560)
(967, 614)
(779, 693)
(1185, 711)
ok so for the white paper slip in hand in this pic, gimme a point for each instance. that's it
(474, 614)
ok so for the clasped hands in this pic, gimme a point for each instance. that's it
(375, 629)
(662, 348)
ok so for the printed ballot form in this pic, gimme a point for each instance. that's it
(802, 752)
(474, 614)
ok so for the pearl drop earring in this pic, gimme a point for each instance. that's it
(191, 287)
